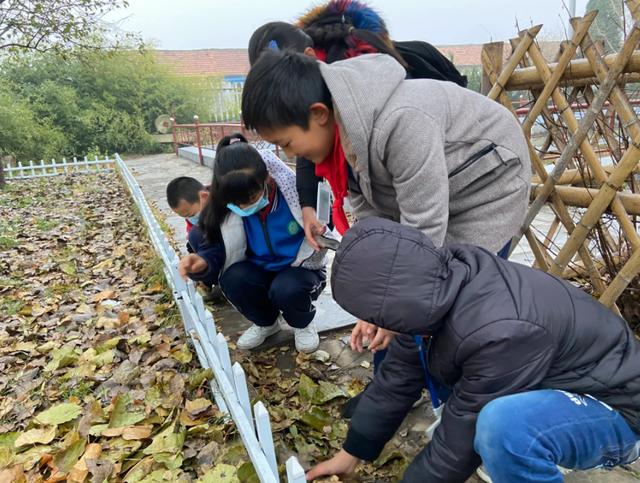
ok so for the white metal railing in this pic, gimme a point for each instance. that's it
(229, 385)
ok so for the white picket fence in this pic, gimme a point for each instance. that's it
(229, 385)
(44, 169)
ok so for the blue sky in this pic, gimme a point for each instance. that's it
(197, 24)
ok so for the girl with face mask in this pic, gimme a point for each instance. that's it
(250, 240)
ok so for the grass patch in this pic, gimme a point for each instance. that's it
(12, 306)
(43, 224)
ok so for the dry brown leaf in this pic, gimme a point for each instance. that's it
(15, 474)
(79, 472)
(104, 295)
(137, 432)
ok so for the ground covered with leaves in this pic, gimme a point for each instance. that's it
(97, 382)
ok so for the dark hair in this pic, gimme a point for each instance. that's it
(239, 173)
(280, 89)
(277, 36)
(183, 188)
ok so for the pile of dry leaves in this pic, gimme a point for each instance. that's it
(96, 379)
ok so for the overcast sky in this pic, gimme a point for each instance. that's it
(199, 24)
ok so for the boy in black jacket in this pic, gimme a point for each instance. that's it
(542, 375)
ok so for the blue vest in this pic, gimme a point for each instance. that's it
(274, 243)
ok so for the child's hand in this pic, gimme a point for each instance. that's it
(361, 332)
(341, 464)
(191, 263)
(312, 226)
(381, 341)
(379, 338)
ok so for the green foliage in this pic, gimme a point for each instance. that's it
(608, 25)
(474, 77)
(56, 25)
(89, 103)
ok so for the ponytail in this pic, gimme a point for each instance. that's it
(238, 174)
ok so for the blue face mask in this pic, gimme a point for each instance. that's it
(194, 219)
(249, 210)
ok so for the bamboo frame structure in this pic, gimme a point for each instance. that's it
(586, 161)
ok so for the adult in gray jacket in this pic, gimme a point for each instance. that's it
(428, 154)
(541, 373)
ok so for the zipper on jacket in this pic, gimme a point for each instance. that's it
(474, 157)
(266, 236)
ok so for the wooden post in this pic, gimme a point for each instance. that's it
(2, 180)
(173, 135)
(494, 52)
(196, 121)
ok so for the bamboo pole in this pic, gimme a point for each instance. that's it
(514, 60)
(618, 285)
(574, 176)
(560, 209)
(580, 69)
(553, 132)
(619, 99)
(580, 30)
(601, 201)
(608, 191)
(606, 131)
(579, 134)
(494, 52)
(583, 197)
(634, 9)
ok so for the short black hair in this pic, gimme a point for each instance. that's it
(277, 36)
(183, 188)
(279, 90)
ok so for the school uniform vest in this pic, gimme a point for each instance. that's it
(292, 247)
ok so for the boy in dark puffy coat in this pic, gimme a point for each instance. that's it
(542, 375)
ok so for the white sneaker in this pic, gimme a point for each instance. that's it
(307, 339)
(256, 335)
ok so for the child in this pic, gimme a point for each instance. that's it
(185, 196)
(425, 153)
(542, 374)
(254, 245)
(338, 30)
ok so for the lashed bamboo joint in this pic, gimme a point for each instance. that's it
(584, 138)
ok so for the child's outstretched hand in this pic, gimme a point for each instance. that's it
(341, 464)
(191, 263)
(312, 226)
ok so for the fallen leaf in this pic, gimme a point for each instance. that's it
(61, 413)
(137, 432)
(79, 472)
(197, 406)
(104, 295)
(222, 473)
(37, 435)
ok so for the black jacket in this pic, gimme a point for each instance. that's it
(497, 328)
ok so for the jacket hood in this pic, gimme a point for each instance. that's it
(394, 277)
(360, 88)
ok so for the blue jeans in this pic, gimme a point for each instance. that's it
(522, 437)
